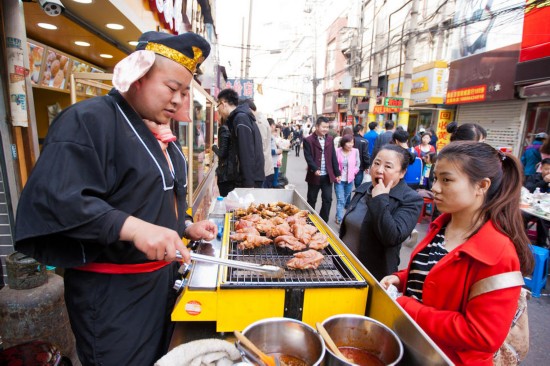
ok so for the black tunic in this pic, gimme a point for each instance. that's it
(99, 165)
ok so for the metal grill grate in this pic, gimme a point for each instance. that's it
(332, 272)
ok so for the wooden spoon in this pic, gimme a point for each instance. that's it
(268, 360)
(330, 343)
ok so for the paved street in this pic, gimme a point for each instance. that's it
(539, 309)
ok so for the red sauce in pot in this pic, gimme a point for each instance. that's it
(360, 356)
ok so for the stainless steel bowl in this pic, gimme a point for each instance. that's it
(364, 333)
(287, 336)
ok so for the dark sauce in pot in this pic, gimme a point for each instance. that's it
(361, 357)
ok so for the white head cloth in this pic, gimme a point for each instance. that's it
(132, 68)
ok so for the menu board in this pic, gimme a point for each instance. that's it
(36, 57)
(56, 70)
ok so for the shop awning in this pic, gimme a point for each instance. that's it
(536, 90)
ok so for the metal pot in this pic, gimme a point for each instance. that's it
(284, 336)
(364, 333)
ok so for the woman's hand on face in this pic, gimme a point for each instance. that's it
(390, 280)
(380, 188)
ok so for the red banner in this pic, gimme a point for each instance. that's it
(536, 31)
(467, 95)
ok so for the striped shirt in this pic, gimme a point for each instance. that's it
(423, 263)
(323, 167)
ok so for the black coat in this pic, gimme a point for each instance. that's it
(389, 220)
(247, 140)
(536, 181)
(228, 165)
(361, 144)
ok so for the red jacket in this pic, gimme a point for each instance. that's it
(469, 332)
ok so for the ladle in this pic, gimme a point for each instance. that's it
(330, 343)
(268, 360)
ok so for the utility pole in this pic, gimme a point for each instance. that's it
(355, 64)
(247, 66)
(403, 118)
(376, 60)
(242, 49)
(310, 9)
(441, 32)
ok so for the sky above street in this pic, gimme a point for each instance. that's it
(276, 27)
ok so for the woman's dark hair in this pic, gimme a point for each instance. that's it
(466, 132)
(432, 156)
(478, 161)
(347, 131)
(403, 154)
(344, 140)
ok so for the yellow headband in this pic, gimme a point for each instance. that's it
(187, 62)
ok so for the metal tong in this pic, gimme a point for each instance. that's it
(266, 269)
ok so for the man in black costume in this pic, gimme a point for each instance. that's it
(107, 201)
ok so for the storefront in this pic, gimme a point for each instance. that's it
(43, 53)
(482, 88)
(427, 93)
(533, 73)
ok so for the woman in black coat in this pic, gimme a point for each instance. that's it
(227, 170)
(382, 214)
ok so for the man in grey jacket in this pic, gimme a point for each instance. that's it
(265, 132)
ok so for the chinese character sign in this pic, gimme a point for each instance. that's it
(243, 87)
(444, 117)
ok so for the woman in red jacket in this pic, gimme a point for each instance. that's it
(479, 235)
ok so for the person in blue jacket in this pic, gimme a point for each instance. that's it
(531, 156)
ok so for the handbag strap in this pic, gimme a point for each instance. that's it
(496, 282)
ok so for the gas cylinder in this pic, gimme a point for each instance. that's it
(34, 313)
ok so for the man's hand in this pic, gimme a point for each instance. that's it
(380, 188)
(338, 179)
(205, 230)
(157, 242)
(546, 178)
(318, 172)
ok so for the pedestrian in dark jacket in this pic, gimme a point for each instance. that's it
(246, 138)
(540, 180)
(227, 170)
(384, 138)
(361, 144)
(382, 213)
(322, 166)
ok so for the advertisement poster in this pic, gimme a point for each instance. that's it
(444, 117)
(56, 70)
(486, 25)
(17, 89)
(36, 57)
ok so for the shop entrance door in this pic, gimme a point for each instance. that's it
(538, 119)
